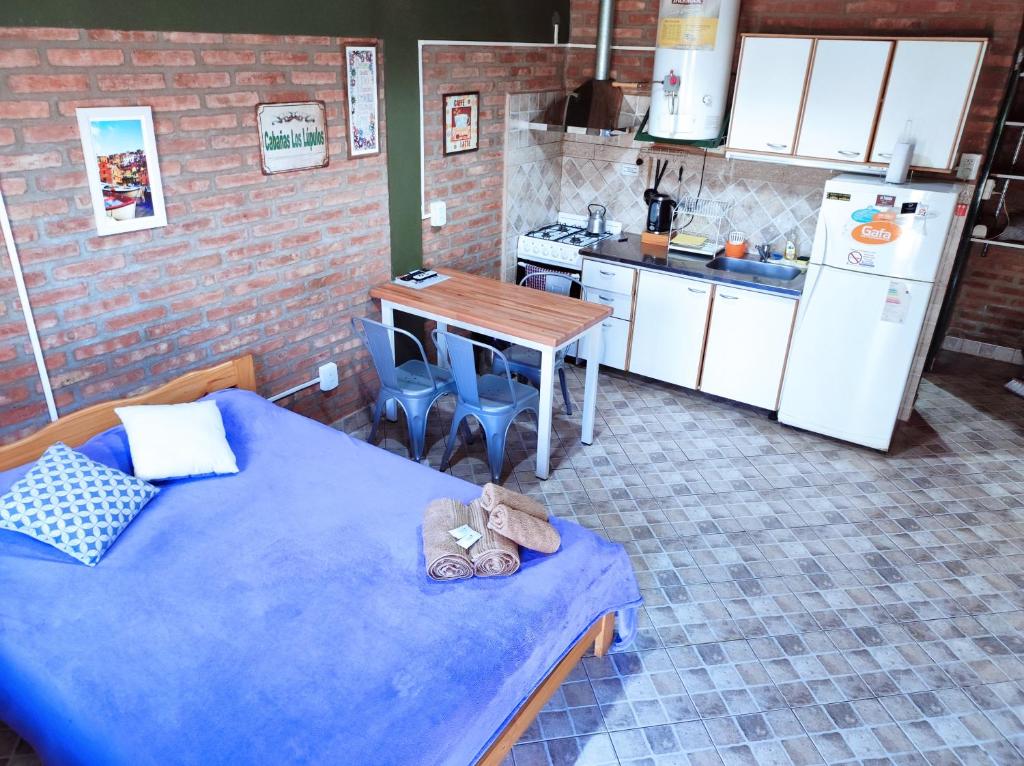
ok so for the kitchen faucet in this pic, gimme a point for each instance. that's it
(763, 252)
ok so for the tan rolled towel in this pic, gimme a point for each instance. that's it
(445, 559)
(495, 495)
(493, 555)
(524, 529)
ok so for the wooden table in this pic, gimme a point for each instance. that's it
(532, 318)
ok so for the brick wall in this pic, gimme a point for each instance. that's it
(998, 20)
(990, 306)
(471, 183)
(269, 265)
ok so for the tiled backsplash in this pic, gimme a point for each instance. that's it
(769, 202)
(549, 172)
(533, 171)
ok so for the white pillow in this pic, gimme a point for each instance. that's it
(170, 441)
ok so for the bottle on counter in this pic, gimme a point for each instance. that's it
(790, 252)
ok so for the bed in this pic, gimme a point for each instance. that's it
(282, 614)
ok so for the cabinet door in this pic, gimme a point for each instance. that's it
(769, 91)
(842, 98)
(615, 337)
(930, 86)
(668, 328)
(748, 339)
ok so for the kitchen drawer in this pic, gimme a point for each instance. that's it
(621, 303)
(605, 276)
(616, 343)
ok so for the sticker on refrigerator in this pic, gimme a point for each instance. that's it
(885, 200)
(897, 303)
(837, 196)
(861, 258)
(865, 214)
(876, 233)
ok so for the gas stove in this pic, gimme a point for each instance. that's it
(559, 243)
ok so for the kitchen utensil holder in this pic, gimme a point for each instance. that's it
(700, 217)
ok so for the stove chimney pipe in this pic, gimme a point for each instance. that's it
(604, 40)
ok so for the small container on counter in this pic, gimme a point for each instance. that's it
(736, 245)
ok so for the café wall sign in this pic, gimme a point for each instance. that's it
(293, 136)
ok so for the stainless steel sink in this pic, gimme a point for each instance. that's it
(779, 271)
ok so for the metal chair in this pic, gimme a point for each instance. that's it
(526, 361)
(415, 384)
(494, 400)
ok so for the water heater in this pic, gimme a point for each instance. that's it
(692, 65)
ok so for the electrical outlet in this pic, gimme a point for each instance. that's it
(328, 376)
(970, 166)
(627, 171)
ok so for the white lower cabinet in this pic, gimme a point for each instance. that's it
(668, 328)
(747, 343)
(615, 333)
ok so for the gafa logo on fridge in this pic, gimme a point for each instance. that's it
(876, 233)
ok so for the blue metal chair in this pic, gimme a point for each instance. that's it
(415, 384)
(526, 361)
(494, 400)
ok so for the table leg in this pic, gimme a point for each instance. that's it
(595, 350)
(442, 356)
(387, 316)
(547, 387)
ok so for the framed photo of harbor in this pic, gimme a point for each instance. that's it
(293, 136)
(461, 123)
(361, 99)
(121, 163)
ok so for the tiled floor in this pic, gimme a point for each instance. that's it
(806, 602)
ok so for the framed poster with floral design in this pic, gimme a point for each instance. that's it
(362, 100)
(461, 123)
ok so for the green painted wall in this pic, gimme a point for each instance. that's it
(399, 23)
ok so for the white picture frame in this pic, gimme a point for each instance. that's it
(121, 163)
(362, 100)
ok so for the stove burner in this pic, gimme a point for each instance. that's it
(555, 231)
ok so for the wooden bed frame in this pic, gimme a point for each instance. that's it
(78, 427)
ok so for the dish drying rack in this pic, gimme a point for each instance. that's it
(699, 226)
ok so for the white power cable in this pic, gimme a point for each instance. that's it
(26, 308)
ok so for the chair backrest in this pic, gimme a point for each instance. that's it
(461, 352)
(378, 339)
(553, 282)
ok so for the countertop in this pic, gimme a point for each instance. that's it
(633, 252)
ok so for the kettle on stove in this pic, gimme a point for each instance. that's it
(596, 222)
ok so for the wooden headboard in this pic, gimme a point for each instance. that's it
(78, 427)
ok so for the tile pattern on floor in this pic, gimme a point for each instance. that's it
(806, 601)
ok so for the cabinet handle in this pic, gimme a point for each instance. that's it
(885, 155)
(847, 153)
(695, 290)
(607, 273)
(606, 324)
(777, 146)
(729, 297)
(606, 299)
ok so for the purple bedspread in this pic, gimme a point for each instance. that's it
(282, 615)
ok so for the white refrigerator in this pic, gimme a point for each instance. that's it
(876, 251)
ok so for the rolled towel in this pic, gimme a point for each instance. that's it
(493, 555)
(445, 559)
(495, 495)
(524, 529)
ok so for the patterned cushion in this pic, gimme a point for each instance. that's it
(73, 503)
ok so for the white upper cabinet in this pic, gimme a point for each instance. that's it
(930, 87)
(847, 78)
(769, 90)
(844, 101)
